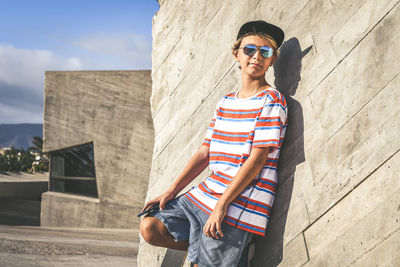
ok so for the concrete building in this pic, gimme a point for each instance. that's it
(339, 193)
(98, 132)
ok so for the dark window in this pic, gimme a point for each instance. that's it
(72, 170)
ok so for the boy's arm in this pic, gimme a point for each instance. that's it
(197, 163)
(243, 178)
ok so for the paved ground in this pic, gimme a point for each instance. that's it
(23, 176)
(36, 246)
(24, 243)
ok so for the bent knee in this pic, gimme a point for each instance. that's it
(149, 229)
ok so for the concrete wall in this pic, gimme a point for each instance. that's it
(338, 201)
(23, 185)
(112, 110)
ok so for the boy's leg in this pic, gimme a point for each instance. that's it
(155, 233)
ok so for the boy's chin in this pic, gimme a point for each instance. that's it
(256, 73)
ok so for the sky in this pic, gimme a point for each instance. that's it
(40, 35)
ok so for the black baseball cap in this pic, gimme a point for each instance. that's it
(260, 26)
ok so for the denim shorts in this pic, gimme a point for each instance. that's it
(185, 221)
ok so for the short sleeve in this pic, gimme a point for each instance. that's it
(207, 139)
(270, 127)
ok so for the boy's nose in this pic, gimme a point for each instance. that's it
(257, 54)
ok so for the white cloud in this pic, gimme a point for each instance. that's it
(25, 68)
(22, 70)
(22, 81)
(129, 49)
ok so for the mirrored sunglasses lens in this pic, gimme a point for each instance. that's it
(266, 51)
(249, 50)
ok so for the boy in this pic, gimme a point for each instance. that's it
(215, 220)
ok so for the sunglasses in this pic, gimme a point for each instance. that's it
(250, 50)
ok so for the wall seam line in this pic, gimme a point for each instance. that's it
(183, 125)
(351, 50)
(350, 191)
(163, 103)
(362, 107)
(305, 244)
(212, 17)
(373, 247)
(169, 53)
(295, 17)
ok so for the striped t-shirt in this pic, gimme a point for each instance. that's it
(238, 125)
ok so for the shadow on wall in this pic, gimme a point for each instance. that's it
(269, 249)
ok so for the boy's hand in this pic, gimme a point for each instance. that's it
(212, 228)
(162, 199)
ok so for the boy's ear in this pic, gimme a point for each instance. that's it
(235, 54)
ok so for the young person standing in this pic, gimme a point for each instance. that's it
(215, 220)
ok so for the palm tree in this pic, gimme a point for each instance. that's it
(38, 148)
(3, 163)
(37, 145)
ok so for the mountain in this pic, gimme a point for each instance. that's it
(19, 135)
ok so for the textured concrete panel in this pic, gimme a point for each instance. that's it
(357, 150)
(347, 90)
(362, 220)
(385, 253)
(185, 23)
(280, 12)
(150, 256)
(295, 253)
(112, 110)
(319, 22)
(355, 29)
(181, 57)
(65, 210)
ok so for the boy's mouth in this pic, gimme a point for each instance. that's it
(255, 64)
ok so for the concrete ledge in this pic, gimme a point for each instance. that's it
(19, 212)
(29, 190)
(67, 210)
(23, 185)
